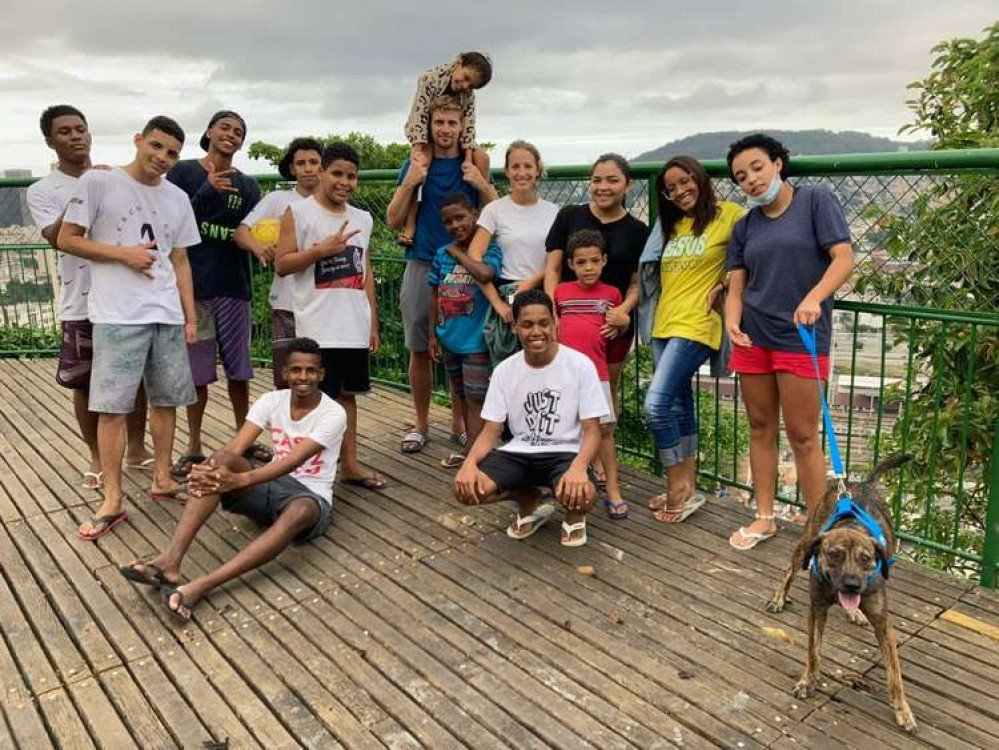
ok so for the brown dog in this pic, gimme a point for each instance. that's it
(850, 567)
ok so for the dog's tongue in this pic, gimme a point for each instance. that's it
(849, 602)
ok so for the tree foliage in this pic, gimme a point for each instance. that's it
(944, 254)
(374, 155)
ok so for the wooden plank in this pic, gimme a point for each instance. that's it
(53, 637)
(281, 701)
(17, 703)
(103, 722)
(63, 721)
(144, 723)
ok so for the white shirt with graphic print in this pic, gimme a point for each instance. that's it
(116, 209)
(545, 405)
(330, 303)
(47, 199)
(273, 206)
(325, 425)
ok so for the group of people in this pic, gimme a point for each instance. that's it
(532, 308)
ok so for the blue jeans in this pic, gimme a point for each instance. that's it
(669, 402)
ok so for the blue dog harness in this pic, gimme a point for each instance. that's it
(845, 506)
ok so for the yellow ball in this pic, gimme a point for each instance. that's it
(266, 231)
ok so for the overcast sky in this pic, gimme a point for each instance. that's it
(577, 78)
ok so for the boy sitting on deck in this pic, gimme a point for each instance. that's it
(552, 400)
(458, 311)
(292, 495)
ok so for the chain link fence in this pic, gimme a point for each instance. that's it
(889, 350)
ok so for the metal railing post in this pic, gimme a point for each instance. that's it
(990, 550)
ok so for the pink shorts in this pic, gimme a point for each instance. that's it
(756, 360)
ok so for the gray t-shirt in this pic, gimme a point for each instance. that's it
(784, 259)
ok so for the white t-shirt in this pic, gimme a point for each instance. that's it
(117, 210)
(330, 304)
(520, 232)
(47, 199)
(272, 206)
(544, 405)
(325, 425)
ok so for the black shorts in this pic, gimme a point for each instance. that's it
(347, 372)
(517, 471)
(264, 503)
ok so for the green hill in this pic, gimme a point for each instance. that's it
(811, 142)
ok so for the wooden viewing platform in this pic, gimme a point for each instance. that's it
(415, 622)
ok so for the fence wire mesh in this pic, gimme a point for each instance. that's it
(909, 231)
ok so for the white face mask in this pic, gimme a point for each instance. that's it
(769, 195)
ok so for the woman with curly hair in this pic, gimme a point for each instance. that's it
(786, 259)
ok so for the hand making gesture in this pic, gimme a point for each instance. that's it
(336, 243)
(220, 179)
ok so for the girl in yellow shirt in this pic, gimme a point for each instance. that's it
(686, 326)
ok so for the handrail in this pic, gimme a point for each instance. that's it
(887, 163)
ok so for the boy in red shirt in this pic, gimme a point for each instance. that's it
(582, 307)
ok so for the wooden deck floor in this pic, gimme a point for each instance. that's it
(416, 623)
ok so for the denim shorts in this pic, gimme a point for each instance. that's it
(151, 353)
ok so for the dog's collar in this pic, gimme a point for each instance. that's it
(847, 508)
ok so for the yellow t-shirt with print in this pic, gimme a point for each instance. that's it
(691, 265)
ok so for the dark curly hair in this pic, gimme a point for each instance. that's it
(531, 297)
(585, 238)
(340, 150)
(57, 110)
(706, 208)
(770, 146)
(303, 346)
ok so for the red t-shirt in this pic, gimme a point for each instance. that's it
(581, 313)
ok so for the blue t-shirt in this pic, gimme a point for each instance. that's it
(461, 305)
(784, 259)
(219, 267)
(443, 177)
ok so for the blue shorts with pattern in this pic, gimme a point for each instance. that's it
(151, 353)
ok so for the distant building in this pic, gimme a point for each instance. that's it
(12, 174)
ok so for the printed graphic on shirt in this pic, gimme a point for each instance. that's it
(455, 294)
(684, 253)
(584, 306)
(283, 444)
(345, 270)
(541, 410)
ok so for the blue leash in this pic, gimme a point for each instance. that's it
(845, 506)
(808, 339)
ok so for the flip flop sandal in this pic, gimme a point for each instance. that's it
(177, 495)
(571, 528)
(658, 502)
(460, 438)
(749, 539)
(182, 466)
(616, 511)
(143, 576)
(106, 524)
(537, 519)
(146, 465)
(166, 594)
(453, 460)
(93, 480)
(370, 482)
(689, 507)
(413, 442)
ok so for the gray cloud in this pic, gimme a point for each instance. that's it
(577, 77)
